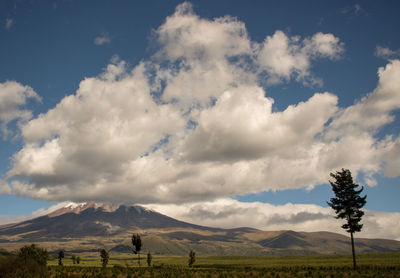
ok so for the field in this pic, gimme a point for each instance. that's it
(370, 265)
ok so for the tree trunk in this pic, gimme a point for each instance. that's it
(352, 249)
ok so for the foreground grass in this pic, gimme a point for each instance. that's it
(370, 265)
(363, 272)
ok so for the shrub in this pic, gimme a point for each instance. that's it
(29, 262)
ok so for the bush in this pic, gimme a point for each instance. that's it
(30, 261)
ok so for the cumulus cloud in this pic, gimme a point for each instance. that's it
(194, 122)
(242, 125)
(103, 39)
(13, 96)
(285, 57)
(192, 46)
(374, 110)
(229, 213)
(386, 53)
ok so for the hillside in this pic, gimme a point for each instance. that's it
(87, 228)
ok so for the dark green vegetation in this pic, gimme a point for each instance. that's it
(149, 259)
(192, 258)
(347, 204)
(29, 260)
(104, 257)
(60, 257)
(137, 245)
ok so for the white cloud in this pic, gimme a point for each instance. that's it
(242, 125)
(185, 35)
(374, 110)
(391, 157)
(13, 96)
(358, 124)
(229, 213)
(285, 57)
(9, 23)
(193, 46)
(103, 39)
(386, 53)
(193, 123)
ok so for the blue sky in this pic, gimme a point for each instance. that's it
(165, 104)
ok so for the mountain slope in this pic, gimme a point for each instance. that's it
(88, 227)
(89, 220)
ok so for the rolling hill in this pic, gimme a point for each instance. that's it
(87, 228)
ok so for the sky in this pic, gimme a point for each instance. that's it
(221, 113)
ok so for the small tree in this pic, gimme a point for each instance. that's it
(192, 258)
(60, 257)
(78, 260)
(347, 204)
(104, 257)
(73, 257)
(149, 258)
(137, 245)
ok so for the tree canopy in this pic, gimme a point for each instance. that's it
(347, 204)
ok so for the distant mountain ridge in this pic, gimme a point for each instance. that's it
(89, 226)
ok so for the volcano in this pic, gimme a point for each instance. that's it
(88, 227)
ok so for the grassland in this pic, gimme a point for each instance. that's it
(376, 259)
(370, 265)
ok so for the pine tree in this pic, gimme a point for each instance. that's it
(347, 204)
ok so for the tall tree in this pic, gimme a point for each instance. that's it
(192, 258)
(347, 204)
(104, 257)
(60, 257)
(137, 245)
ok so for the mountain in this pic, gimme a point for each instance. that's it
(88, 227)
(91, 220)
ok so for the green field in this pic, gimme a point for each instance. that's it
(370, 265)
(373, 259)
(125, 266)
